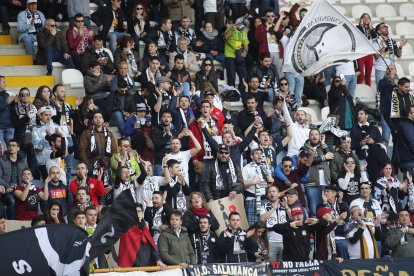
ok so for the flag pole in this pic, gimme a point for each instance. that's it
(130, 269)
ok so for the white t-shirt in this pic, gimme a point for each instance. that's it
(150, 185)
(183, 157)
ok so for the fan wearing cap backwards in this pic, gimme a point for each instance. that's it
(333, 198)
(296, 235)
(223, 177)
(325, 245)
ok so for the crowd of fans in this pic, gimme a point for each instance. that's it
(331, 190)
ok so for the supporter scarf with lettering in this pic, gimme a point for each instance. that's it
(219, 176)
(94, 146)
(395, 105)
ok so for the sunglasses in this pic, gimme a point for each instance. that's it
(224, 152)
(79, 21)
(207, 64)
(24, 95)
(53, 26)
(140, 9)
(284, 84)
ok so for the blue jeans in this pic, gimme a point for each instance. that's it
(351, 82)
(264, 5)
(113, 37)
(220, 57)
(379, 75)
(157, 169)
(270, 93)
(28, 41)
(9, 200)
(386, 131)
(118, 119)
(54, 56)
(342, 248)
(233, 66)
(329, 74)
(186, 91)
(406, 166)
(314, 197)
(5, 135)
(296, 83)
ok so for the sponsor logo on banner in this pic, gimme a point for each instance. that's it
(243, 269)
(309, 268)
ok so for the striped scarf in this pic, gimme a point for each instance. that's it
(364, 245)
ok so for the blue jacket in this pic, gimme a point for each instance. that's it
(406, 140)
(5, 121)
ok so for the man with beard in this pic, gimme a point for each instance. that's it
(205, 243)
(337, 163)
(232, 241)
(256, 178)
(158, 215)
(58, 191)
(252, 89)
(274, 212)
(267, 74)
(183, 115)
(183, 157)
(161, 99)
(223, 178)
(248, 115)
(162, 134)
(319, 175)
(300, 130)
(178, 188)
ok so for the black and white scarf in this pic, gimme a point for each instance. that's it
(65, 118)
(21, 112)
(239, 238)
(410, 201)
(180, 201)
(387, 196)
(219, 176)
(37, 22)
(131, 60)
(212, 129)
(94, 146)
(151, 76)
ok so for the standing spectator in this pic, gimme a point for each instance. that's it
(314, 88)
(111, 22)
(163, 37)
(161, 99)
(42, 97)
(58, 191)
(250, 115)
(350, 178)
(179, 9)
(264, 6)
(205, 242)
(370, 207)
(365, 63)
(210, 42)
(6, 127)
(401, 239)
(181, 76)
(348, 71)
(267, 74)
(29, 23)
(252, 89)
(270, 38)
(214, 14)
(157, 216)
(151, 50)
(174, 244)
(79, 37)
(342, 103)
(336, 164)
(387, 50)
(138, 24)
(405, 140)
(96, 53)
(257, 245)
(300, 130)
(235, 51)
(77, 7)
(232, 241)
(284, 92)
(150, 76)
(130, 157)
(177, 190)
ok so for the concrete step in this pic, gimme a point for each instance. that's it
(25, 70)
(5, 39)
(30, 81)
(12, 51)
(12, 46)
(11, 60)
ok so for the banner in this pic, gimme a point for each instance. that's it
(240, 269)
(325, 38)
(170, 272)
(221, 208)
(309, 268)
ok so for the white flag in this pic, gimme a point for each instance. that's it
(325, 38)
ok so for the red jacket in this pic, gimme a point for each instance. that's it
(95, 187)
(196, 130)
(261, 38)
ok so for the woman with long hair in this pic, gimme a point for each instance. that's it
(126, 52)
(286, 94)
(138, 24)
(207, 73)
(197, 208)
(43, 96)
(257, 244)
(350, 178)
(366, 63)
(341, 102)
(54, 213)
(210, 42)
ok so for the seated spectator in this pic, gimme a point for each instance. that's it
(97, 85)
(76, 7)
(57, 154)
(400, 239)
(123, 180)
(224, 178)
(94, 186)
(250, 115)
(370, 207)
(6, 127)
(123, 74)
(42, 97)
(8, 13)
(91, 219)
(257, 245)
(29, 23)
(111, 22)
(161, 99)
(137, 247)
(267, 74)
(181, 76)
(350, 178)
(96, 53)
(38, 220)
(277, 128)
(362, 234)
(405, 140)
(79, 37)
(27, 195)
(341, 102)
(232, 241)
(163, 37)
(52, 47)
(197, 209)
(207, 73)
(149, 78)
(205, 242)
(138, 24)
(190, 60)
(185, 31)
(292, 201)
(252, 89)
(210, 43)
(174, 244)
(158, 215)
(126, 52)
(120, 106)
(54, 213)
(151, 50)
(130, 158)
(138, 129)
(336, 165)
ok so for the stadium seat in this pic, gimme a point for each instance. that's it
(405, 29)
(407, 52)
(364, 93)
(400, 70)
(358, 10)
(374, 1)
(387, 12)
(397, 1)
(345, 2)
(72, 77)
(311, 112)
(411, 69)
(324, 113)
(407, 10)
(341, 10)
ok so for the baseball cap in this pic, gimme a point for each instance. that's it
(31, 1)
(223, 147)
(296, 210)
(322, 211)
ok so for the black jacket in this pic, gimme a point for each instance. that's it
(357, 134)
(91, 56)
(246, 118)
(113, 104)
(190, 221)
(104, 17)
(161, 142)
(405, 139)
(213, 251)
(150, 213)
(226, 246)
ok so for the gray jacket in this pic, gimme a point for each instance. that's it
(79, 6)
(393, 241)
(6, 169)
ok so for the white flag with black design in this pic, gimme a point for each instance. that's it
(325, 38)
